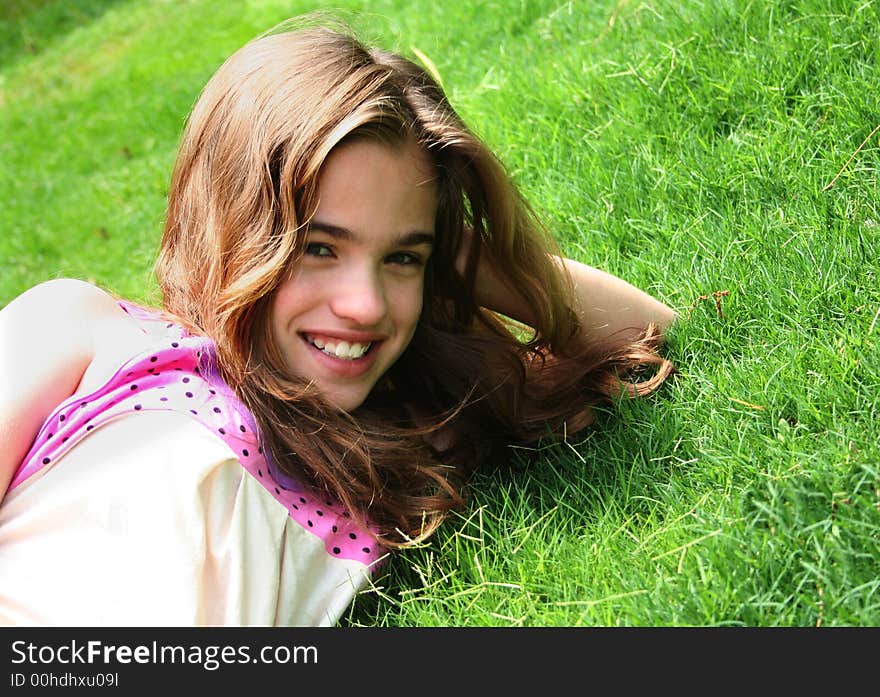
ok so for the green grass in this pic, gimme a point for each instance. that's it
(687, 147)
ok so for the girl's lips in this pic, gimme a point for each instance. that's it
(339, 348)
(343, 367)
(342, 335)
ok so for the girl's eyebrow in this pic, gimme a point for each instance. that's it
(407, 239)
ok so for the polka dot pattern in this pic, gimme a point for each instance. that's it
(178, 374)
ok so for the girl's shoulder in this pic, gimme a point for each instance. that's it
(74, 313)
(68, 301)
(53, 300)
(57, 339)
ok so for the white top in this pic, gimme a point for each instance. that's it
(174, 533)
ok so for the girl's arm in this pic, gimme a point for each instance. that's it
(610, 310)
(47, 341)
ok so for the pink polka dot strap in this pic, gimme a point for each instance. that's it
(179, 374)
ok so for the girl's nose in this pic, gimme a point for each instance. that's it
(360, 298)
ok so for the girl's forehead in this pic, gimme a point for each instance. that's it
(371, 158)
(366, 186)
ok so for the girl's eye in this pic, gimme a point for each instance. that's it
(405, 259)
(317, 249)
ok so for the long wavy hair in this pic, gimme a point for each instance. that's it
(471, 382)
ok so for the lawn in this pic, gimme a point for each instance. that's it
(721, 155)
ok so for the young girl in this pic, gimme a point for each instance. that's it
(359, 309)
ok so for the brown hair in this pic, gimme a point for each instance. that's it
(242, 192)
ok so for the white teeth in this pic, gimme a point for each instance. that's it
(342, 350)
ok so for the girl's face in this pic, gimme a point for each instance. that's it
(350, 307)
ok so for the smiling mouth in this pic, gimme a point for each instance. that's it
(342, 350)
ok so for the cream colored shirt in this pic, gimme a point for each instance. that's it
(152, 521)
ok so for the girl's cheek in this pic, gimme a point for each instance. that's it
(413, 298)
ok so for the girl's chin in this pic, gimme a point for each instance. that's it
(344, 400)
